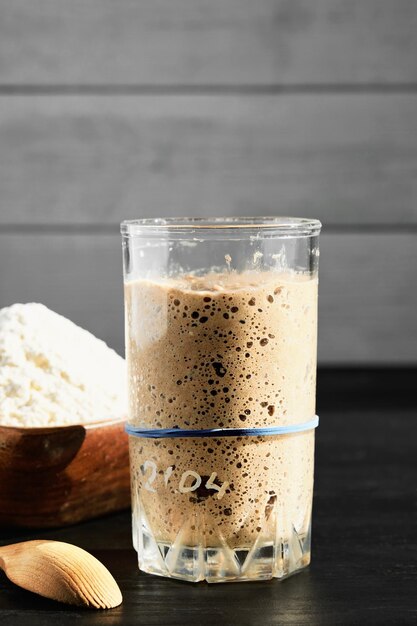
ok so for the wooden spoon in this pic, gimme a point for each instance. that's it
(60, 571)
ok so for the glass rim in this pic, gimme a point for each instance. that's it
(295, 226)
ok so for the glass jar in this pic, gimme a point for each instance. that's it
(221, 342)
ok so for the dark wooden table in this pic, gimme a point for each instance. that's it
(364, 566)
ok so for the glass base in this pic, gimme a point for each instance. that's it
(263, 560)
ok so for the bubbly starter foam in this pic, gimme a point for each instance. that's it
(221, 351)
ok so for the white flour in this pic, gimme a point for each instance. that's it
(54, 373)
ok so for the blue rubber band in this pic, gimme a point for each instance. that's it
(159, 433)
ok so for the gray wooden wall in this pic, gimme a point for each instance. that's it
(115, 109)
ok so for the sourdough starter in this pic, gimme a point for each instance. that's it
(222, 351)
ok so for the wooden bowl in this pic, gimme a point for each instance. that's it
(62, 475)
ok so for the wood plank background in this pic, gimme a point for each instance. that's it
(202, 107)
(202, 42)
(346, 159)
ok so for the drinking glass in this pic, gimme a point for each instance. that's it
(221, 341)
